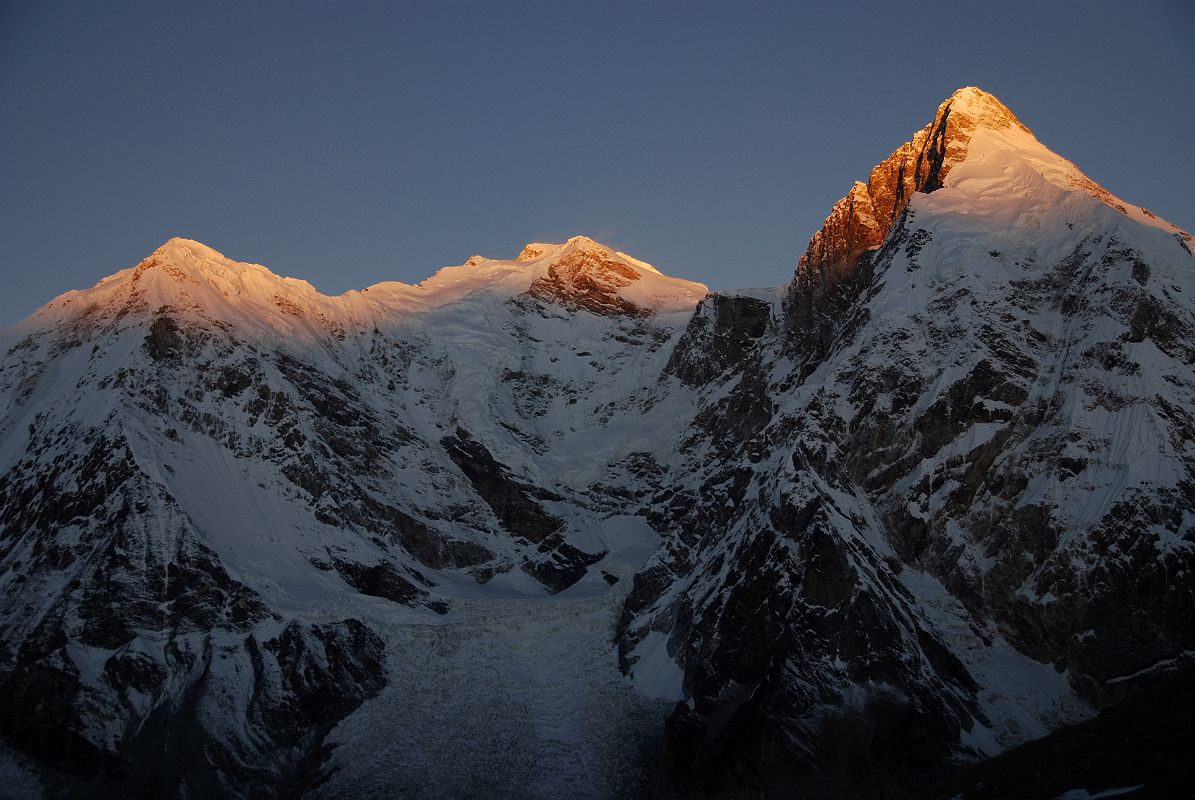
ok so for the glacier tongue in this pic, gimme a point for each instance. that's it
(479, 535)
(512, 698)
(212, 475)
(980, 380)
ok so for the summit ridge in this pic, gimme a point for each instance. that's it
(563, 525)
(863, 218)
(190, 277)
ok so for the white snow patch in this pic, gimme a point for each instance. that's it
(656, 673)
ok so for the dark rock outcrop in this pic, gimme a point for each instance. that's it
(510, 500)
(717, 340)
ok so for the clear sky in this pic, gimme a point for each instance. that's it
(353, 142)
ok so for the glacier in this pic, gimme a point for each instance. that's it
(565, 524)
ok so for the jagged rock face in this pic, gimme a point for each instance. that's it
(588, 278)
(719, 336)
(860, 221)
(793, 667)
(121, 573)
(510, 500)
(929, 500)
(945, 409)
(556, 564)
(203, 459)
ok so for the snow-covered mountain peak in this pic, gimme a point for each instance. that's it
(579, 274)
(974, 143)
(536, 250)
(586, 274)
(979, 109)
(187, 279)
(178, 248)
(860, 220)
(201, 262)
(182, 274)
(1010, 177)
(533, 251)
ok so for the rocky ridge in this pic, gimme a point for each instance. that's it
(922, 466)
(927, 501)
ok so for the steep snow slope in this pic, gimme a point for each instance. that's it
(210, 474)
(929, 500)
(971, 127)
(970, 431)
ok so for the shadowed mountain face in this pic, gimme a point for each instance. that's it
(927, 501)
(1137, 749)
(954, 455)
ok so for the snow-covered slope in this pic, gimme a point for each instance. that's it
(210, 473)
(930, 499)
(947, 494)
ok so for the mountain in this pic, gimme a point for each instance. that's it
(943, 499)
(566, 524)
(218, 483)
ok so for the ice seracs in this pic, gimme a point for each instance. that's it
(932, 502)
(260, 473)
(980, 390)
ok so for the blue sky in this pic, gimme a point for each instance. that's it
(353, 142)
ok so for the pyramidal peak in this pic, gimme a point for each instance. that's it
(980, 108)
(861, 220)
(973, 128)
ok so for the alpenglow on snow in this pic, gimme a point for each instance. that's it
(565, 524)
